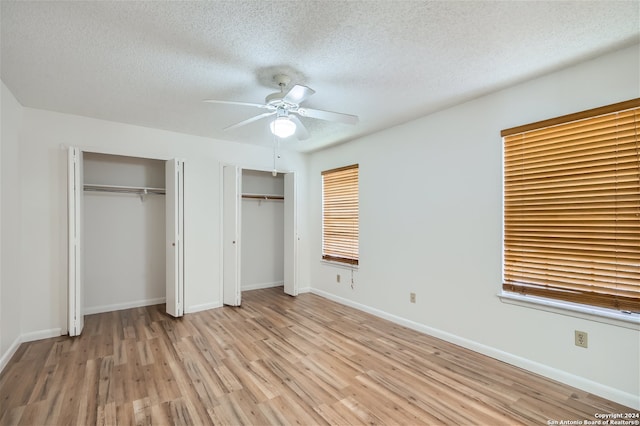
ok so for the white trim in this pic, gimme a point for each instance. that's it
(341, 265)
(40, 334)
(120, 306)
(592, 313)
(221, 228)
(304, 290)
(124, 152)
(587, 385)
(27, 337)
(202, 307)
(6, 357)
(259, 286)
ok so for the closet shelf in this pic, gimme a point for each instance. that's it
(263, 196)
(138, 190)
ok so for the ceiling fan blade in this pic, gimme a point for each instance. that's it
(328, 115)
(249, 120)
(301, 132)
(298, 94)
(215, 101)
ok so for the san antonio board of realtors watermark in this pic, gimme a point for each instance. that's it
(632, 418)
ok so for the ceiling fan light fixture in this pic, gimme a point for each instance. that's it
(282, 127)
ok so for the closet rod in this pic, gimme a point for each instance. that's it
(139, 190)
(263, 197)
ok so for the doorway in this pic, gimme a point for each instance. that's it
(122, 213)
(259, 232)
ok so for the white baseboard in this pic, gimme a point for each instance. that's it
(202, 307)
(40, 334)
(9, 353)
(259, 286)
(121, 306)
(617, 395)
(27, 337)
(304, 290)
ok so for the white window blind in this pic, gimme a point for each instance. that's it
(340, 215)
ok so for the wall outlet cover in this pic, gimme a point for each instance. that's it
(581, 339)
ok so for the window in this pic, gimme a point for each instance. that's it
(340, 215)
(572, 208)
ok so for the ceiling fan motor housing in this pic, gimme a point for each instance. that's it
(275, 100)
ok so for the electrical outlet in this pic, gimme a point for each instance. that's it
(412, 297)
(582, 339)
(338, 278)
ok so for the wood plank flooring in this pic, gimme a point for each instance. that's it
(275, 360)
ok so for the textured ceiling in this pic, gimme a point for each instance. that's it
(152, 63)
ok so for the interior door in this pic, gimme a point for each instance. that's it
(74, 215)
(174, 203)
(290, 236)
(231, 214)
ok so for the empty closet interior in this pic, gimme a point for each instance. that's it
(124, 232)
(262, 222)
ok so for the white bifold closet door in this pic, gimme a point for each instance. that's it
(231, 235)
(75, 188)
(174, 201)
(290, 235)
(231, 214)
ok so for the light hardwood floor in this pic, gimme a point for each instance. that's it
(275, 360)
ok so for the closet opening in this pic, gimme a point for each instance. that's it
(124, 232)
(259, 232)
(262, 233)
(125, 217)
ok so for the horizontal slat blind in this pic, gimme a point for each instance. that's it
(340, 227)
(572, 210)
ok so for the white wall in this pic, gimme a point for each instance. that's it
(124, 234)
(42, 260)
(262, 233)
(430, 223)
(10, 293)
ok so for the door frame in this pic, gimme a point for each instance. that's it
(293, 275)
(75, 290)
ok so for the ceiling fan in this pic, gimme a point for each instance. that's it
(285, 106)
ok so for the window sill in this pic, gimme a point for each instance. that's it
(339, 264)
(603, 315)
